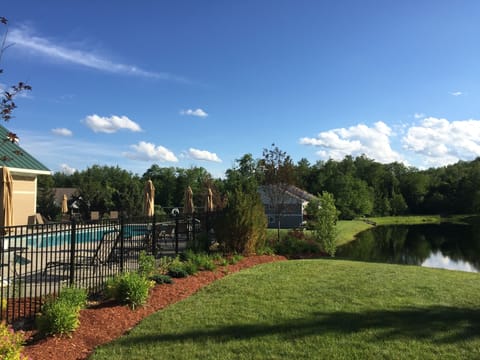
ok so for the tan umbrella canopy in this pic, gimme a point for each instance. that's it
(64, 204)
(188, 201)
(6, 194)
(209, 201)
(149, 198)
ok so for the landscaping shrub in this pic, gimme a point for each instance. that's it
(164, 264)
(61, 315)
(178, 268)
(235, 258)
(296, 243)
(241, 226)
(146, 264)
(161, 279)
(218, 259)
(130, 288)
(11, 343)
(177, 272)
(190, 267)
(77, 297)
(201, 260)
(57, 317)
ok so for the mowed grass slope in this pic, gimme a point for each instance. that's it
(317, 309)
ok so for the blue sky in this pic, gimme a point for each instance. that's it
(201, 83)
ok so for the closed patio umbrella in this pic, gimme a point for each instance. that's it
(209, 201)
(6, 194)
(64, 204)
(188, 207)
(149, 198)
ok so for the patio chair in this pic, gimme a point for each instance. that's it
(166, 232)
(105, 254)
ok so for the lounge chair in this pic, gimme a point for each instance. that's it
(104, 254)
(36, 219)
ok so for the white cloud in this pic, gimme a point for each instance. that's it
(23, 38)
(62, 132)
(442, 142)
(149, 152)
(456, 93)
(110, 124)
(67, 170)
(419, 115)
(203, 155)
(374, 142)
(198, 112)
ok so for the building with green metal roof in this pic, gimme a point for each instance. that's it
(24, 169)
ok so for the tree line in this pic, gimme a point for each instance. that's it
(360, 186)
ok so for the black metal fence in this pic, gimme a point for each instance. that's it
(36, 261)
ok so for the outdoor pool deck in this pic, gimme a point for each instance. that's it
(28, 271)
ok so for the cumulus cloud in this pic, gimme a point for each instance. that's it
(374, 142)
(24, 38)
(67, 170)
(419, 115)
(150, 152)
(442, 142)
(110, 124)
(198, 113)
(62, 132)
(203, 155)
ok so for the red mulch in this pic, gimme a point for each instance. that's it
(106, 321)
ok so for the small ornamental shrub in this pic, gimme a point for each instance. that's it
(201, 260)
(266, 250)
(129, 288)
(176, 269)
(161, 279)
(61, 315)
(190, 267)
(297, 243)
(235, 258)
(164, 264)
(11, 343)
(57, 317)
(75, 296)
(146, 264)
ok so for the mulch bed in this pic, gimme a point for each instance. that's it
(103, 322)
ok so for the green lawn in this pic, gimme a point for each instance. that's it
(316, 309)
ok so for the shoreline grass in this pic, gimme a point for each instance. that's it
(316, 309)
(349, 229)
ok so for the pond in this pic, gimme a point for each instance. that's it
(447, 246)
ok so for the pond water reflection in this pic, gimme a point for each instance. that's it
(448, 246)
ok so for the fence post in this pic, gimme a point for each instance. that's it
(176, 234)
(73, 241)
(154, 236)
(122, 243)
(206, 246)
(194, 238)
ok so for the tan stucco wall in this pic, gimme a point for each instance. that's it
(24, 198)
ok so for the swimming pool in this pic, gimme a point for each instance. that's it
(63, 238)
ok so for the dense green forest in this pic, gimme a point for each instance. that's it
(359, 185)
